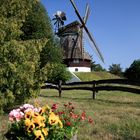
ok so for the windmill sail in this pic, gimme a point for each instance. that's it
(87, 31)
(87, 12)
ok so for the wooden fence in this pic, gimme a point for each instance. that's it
(98, 85)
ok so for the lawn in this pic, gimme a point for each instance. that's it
(116, 114)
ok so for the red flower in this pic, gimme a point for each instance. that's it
(83, 116)
(72, 115)
(54, 106)
(90, 120)
(72, 107)
(70, 103)
(65, 119)
(68, 123)
(65, 105)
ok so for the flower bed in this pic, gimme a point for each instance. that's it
(45, 123)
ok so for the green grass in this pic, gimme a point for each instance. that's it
(89, 76)
(116, 114)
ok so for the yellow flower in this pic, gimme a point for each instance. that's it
(47, 107)
(39, 121)
(42, 110)
(60, 124)
(29, 114)
(39, 135)
(36, 114)
(53, 119)
(31, 127)
(45, 131)
(27, 122)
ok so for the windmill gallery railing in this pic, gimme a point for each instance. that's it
(98, 85)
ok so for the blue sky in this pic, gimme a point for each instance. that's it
(115, 25)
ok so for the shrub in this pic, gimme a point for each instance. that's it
(24, 27)
(133, 72)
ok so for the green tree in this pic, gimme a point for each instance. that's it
(115, 69)
(57, 72)
(133, 72)
(19, 60)
(51, 53)
(96, 67)
(38, 25)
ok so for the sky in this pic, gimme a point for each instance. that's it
(115, 25)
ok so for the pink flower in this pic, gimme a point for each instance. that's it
(37, 109)
(26, 106)
(15, 115)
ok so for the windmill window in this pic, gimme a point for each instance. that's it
(76, 61)
(76, 69)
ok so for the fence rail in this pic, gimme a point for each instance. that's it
(98, 85)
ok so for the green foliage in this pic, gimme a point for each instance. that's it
(19, 59)
(133, 72)
(115, 69)
(51, 53)
(96, 67)
(37, 24)
(57, 72)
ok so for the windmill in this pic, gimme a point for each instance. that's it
(71, 40)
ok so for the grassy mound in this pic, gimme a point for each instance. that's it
(89, 76)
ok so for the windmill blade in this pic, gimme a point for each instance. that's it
(94, 46)
(87, 12)
(87, 31)
(88, 40)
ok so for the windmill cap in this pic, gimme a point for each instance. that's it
(60, 14)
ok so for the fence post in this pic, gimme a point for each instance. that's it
(59, 87)
(94, 91)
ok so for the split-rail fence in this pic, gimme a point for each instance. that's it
(97, 85)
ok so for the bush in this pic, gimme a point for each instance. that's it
(57, 72)
(19, 59)
(133, 72)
